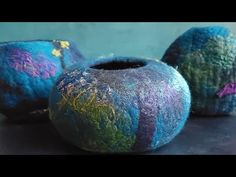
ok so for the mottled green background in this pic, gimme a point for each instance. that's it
(104, 39)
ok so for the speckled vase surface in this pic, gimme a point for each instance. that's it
(206, 57)
(28, 72)
(120, 104)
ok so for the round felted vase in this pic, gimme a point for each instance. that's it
(120, 104)
(206, 57)
(28, 72)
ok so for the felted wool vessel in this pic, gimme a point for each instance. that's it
(28, 72)
(120, 104)
(206, 57)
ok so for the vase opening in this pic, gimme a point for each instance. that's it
(118, 65)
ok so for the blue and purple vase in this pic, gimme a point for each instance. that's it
(120, 104)
(29, 70)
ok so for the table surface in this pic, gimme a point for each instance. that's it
(201, 135)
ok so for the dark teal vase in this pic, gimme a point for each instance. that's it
(206, 57)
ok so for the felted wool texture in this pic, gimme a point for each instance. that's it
(205, 56)
(29, 70)
(120, 104)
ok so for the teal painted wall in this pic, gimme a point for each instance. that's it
(104, 39)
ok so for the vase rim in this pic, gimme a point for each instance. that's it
(103, 63)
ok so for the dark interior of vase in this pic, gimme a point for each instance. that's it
(117, 65)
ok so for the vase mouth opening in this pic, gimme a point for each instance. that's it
(119, 65)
